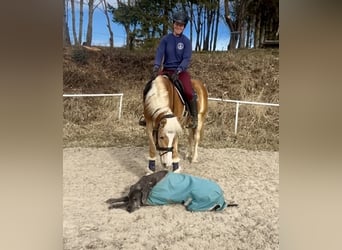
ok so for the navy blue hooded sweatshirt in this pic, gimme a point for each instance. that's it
(176, 52)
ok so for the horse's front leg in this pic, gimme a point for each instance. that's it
(194, 146)
(190, 144)
(196, 137)
(175, 156)
(152, 149)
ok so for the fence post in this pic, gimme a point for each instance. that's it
(238, 105)
(120, 107)
(236, 116)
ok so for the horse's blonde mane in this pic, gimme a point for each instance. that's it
(157, 98)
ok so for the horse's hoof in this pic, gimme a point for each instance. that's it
(176, 168)
(151, 167)
(149, 171)
(194, 161)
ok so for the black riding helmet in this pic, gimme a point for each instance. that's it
(180, 17)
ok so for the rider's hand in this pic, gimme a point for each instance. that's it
(174, 76)
(154, 73)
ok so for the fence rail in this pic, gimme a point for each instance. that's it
(210, 99)
(96, 95)
(238, 106)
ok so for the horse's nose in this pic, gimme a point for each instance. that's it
(165, 166)
(130, 209)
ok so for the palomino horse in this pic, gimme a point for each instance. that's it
(165, 116)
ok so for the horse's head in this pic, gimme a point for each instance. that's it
(164, 136)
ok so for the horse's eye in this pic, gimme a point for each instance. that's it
(161, 137)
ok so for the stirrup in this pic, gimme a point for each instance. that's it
(142, 121)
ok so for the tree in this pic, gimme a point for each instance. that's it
(80, 29)
(78, 38)
(66, 36)
(137, 24)
(211, 8)
(76, 42)
(125, 15)
(234, 16)
(204, 20)
(214, 40)
(111, 35)
(89, 35)
(251, 20)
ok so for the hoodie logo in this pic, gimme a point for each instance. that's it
(180, 46)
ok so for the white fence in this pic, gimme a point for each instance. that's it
(210, 99)
(238, 105)
(102, 95)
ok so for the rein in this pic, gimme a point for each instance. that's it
(155, 134)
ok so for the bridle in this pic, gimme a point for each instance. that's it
(155, 135)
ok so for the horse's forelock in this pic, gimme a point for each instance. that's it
(173, 125)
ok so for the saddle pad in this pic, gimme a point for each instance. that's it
(197, 194)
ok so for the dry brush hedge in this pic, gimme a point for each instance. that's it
(250, 75)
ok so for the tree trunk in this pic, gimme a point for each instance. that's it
(198, 28)
(201, 39)
(252, 42)
(212, 30)
(242, 40)
(248, 32)
(207, 34)
(66, 36)
(216, 28)
(231, 26)
(191, 22)
(111, 36)
(90, 23)
(166, 18)
(241, 22)
(80, 29)
(257, 30)
(262, 34)
(76, 42)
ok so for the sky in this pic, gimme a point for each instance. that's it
(101, 33)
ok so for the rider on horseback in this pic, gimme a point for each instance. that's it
(175, 48)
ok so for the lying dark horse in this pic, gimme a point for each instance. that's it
(164, 187)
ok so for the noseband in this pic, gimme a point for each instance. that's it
(155, 134)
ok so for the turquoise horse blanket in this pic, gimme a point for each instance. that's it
(197, 194)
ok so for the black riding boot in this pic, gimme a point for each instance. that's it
(193, 112)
